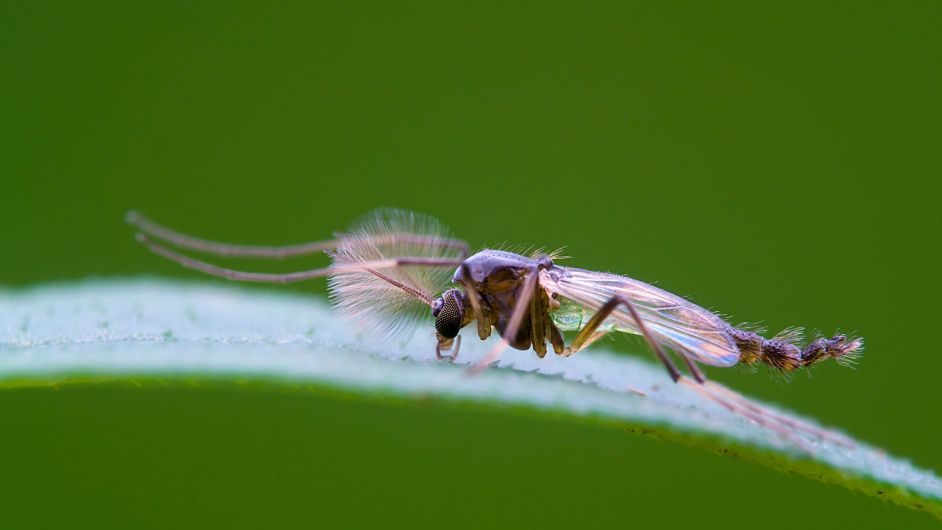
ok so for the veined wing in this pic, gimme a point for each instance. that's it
(674, 322)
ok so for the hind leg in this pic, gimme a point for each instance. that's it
(796, 424)
(741, 409)
(729, 400)
(588, 334)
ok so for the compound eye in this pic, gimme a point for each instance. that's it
(450, 315)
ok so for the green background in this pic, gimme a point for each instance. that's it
(775, 162)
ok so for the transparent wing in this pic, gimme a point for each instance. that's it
(674, 322)
(390, 302)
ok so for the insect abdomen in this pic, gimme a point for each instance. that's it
(780, 352)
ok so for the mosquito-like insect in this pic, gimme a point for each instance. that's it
(391, 265)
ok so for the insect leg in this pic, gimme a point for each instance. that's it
(290, 277)
(791, 422)
(516, 318)
(537, 325)
(749, 414)
(484, 328)
(181, 240)
(740, 407)
(739, 404)
(555, 337)
(594, 337)
(695, 370)
(585, 334)
(439, 355)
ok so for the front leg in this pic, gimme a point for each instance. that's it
(471, 292)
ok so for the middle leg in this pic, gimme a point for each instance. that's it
(588, 334)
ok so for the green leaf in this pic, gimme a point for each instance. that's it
(146, 329)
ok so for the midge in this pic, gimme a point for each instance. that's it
(393, 263)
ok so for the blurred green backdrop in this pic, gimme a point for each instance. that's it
(776, 162)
